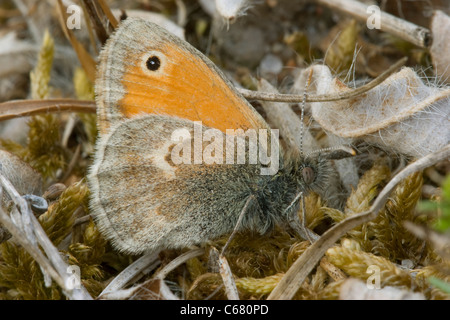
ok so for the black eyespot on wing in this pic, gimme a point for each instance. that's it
(153, 63)
(308, 175)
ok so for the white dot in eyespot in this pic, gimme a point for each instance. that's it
(153, 62)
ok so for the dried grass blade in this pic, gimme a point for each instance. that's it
(161, 274)
(24, 108)
(87, 62)
(130, 272)
(106, 9)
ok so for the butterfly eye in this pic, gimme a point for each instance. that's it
(308, 175)
(153, 63)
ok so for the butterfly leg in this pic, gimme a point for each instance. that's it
(300, 226)
(224, 267)
(236, 227)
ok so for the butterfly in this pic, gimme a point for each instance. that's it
(155, 94)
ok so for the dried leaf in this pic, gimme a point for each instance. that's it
(403, 114)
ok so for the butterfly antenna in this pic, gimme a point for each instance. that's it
(302, 114)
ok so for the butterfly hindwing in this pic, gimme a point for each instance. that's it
(142, 200)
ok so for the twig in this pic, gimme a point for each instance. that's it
(22, 215)
(228, 279)
(227, 276)
(388, 23)
(298, 272)
(334, 272)
(32, 250)
(293, 98)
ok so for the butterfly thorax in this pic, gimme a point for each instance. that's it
(276, 195)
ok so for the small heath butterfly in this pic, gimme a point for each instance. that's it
(167, 172)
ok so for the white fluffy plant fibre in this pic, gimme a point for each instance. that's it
(404, 114)
(231, 9)
(227, 10)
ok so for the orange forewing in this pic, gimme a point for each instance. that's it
(189, 87)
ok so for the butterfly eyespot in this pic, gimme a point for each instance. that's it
(153, 63)
(308, 175)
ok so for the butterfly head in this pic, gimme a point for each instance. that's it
(308, 173)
